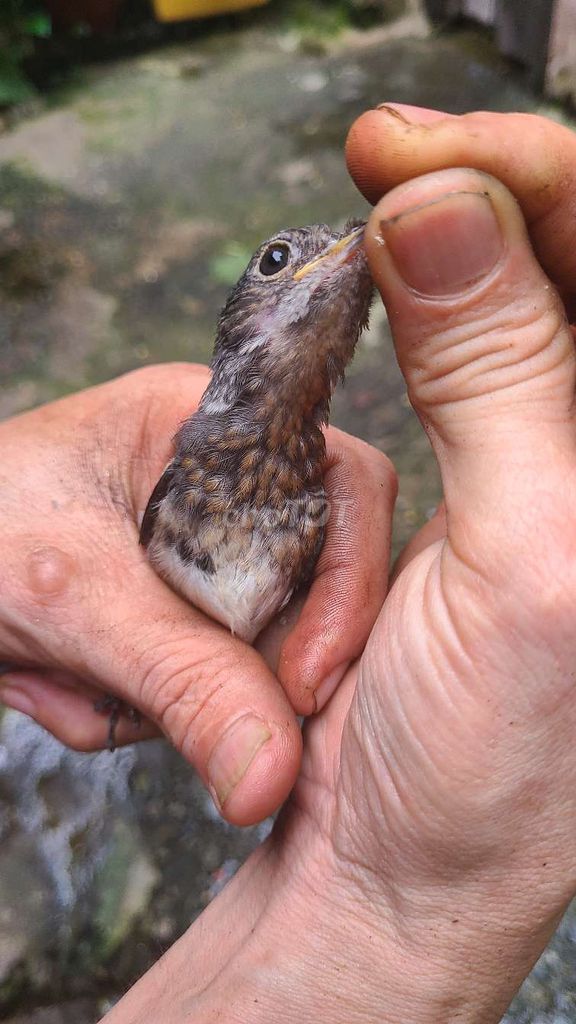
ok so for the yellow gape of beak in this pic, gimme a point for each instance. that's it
(344, 245)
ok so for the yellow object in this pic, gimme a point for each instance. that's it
(182, 10)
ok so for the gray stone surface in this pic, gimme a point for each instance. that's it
(104, 860)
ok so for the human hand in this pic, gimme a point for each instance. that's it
(533, 156)
(84, 614)
(427, 850)
(465, 699)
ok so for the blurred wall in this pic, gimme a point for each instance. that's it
(540, 34)
(561, 70)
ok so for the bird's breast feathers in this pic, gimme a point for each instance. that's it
(242, 567)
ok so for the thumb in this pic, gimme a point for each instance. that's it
(133, 638)
(482, 340)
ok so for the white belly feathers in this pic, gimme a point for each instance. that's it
(243, 591)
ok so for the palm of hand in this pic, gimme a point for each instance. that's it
(427, 765)
(84, 613)
(441, 761)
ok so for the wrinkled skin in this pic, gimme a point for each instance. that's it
(428, 848)
(87, 615)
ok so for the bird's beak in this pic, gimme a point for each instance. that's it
(344, 248)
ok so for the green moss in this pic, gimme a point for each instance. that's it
(13, 988)
(326, 19)
(123, 886)
(20, 187)
(317, 19)
(14, 86)
(228, 264)
(21, 22)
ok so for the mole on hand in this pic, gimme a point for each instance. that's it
(236, 522)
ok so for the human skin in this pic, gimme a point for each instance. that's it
(427, 850)
(533, 156)
(84, 614)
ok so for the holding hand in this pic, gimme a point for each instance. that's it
(83, 613)
(427, 851)
(533, 156)
(461, 729)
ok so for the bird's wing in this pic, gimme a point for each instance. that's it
(158, 494)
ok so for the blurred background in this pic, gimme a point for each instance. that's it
(146, 148)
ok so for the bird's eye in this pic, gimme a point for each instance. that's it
(274, 259)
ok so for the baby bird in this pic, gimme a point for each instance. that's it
(236, 522)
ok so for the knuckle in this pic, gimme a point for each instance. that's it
(179, 685)
(385, 475)
(509, 342)
(352, 461)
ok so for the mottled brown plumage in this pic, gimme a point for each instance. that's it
(237, 520)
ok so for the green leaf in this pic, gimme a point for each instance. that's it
(227, 266)
(37, 24)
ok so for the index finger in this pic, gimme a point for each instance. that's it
(533, 156)
(351, 575)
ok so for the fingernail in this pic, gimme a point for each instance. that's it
(327, 687)
(16, 698)
(394, 112)
(419, 117)
(234, 754)
(445, 246)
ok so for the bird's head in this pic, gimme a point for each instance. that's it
(291, 323)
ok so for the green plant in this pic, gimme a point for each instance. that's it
(21, 23)
(227, 265)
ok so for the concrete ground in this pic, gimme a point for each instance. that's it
(128, 206)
